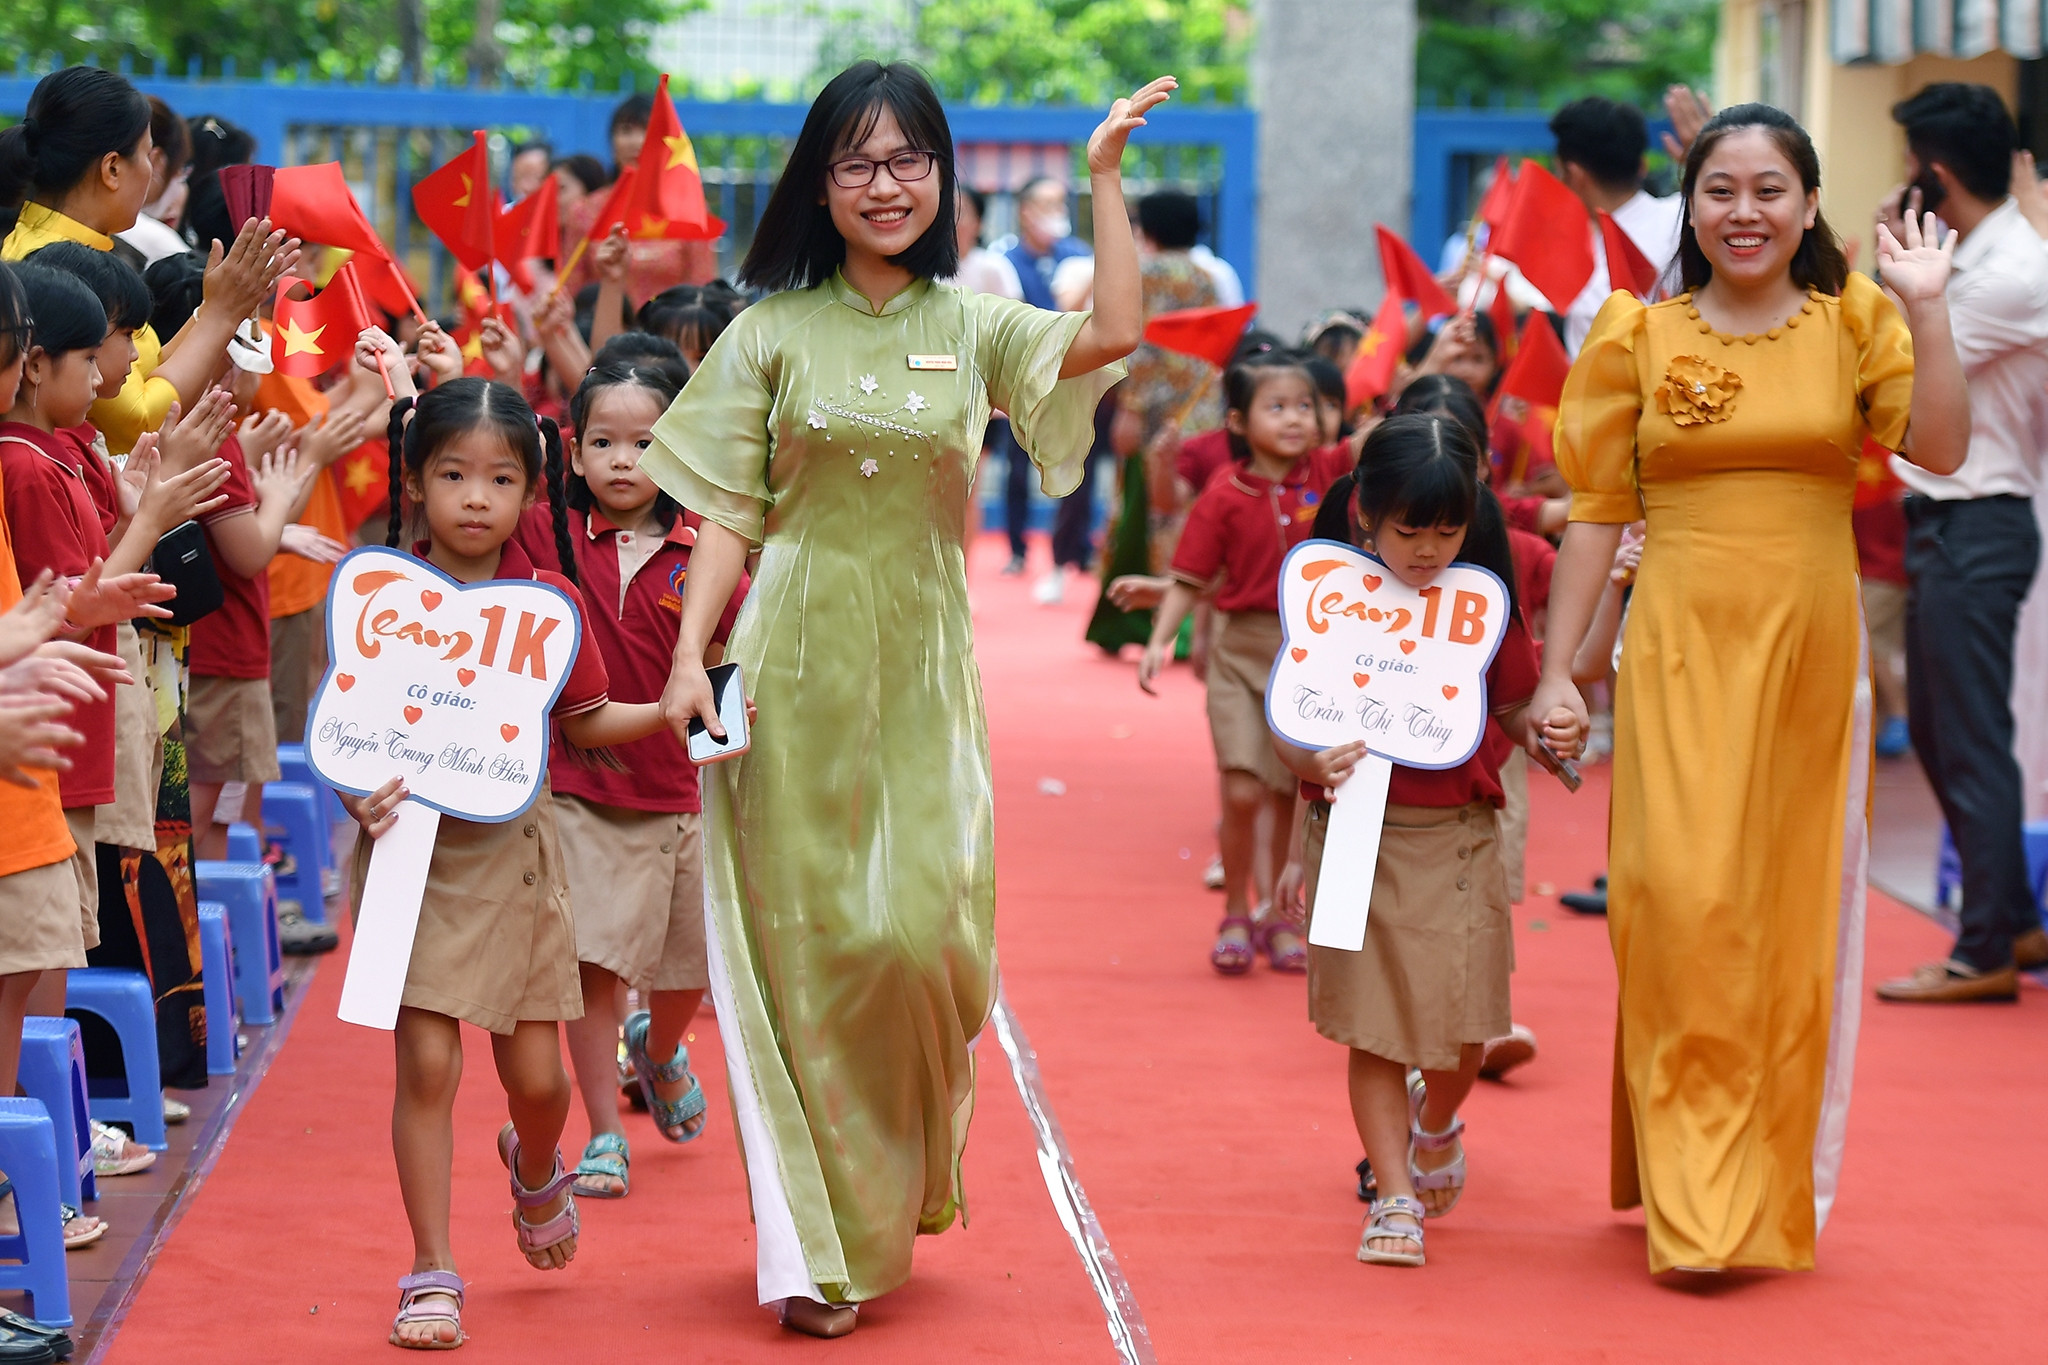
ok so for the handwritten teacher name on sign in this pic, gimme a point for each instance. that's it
(1368, 657)
(447, 684)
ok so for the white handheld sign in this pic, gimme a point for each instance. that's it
(448, 685)
(1366, 657)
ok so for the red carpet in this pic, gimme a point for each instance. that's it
(1208, 1124)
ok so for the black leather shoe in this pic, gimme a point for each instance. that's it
(23, 1348)
(29, 1327)
(1585, 902)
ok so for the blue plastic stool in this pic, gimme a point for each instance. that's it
(1948, 873)
(291, 762)
(122, 997)
(217, 977)
(310, 840)
(245, 845)
(250, 894)
(28, 1153)
(53, 1071)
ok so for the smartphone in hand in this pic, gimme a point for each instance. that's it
(1560, 767)
(731, 696)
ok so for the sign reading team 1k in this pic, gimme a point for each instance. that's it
(1368, 657)
(447, 685)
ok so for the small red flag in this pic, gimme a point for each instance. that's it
(1540, 365)
(1209, 334)
(1502, 313)
(1545, 232)
(1381, 349)
(1406, 275)
(1875, 481)
(363, 479)
(1493, 205)
(533, 226)
(613, 214)
(314, 203)
(668, 201)
(315, 334)
(1627, 267)
(455, 203)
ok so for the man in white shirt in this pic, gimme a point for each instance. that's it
(1601, 151)
(1973, 544)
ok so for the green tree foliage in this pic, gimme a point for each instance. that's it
(1557, 50)
(1084, 51)
(555, 43)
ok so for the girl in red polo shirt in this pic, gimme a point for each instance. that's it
(631, 842)
(1430, 985)
(1239, 529)
(495, 945)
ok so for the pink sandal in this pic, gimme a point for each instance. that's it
(417, 1286)
(535, 1238)
(1229, 956)
(1293, 959)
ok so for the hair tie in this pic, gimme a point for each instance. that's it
(31, 130)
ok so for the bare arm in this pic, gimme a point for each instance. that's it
(1916, 269)
(1114, 329)
(249, 542)
(609, 260)
(1576, 582)
(614, 723)
(716, 562)
(1180, 600)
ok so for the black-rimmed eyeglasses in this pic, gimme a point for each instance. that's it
(857, 172)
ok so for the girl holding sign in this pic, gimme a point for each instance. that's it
(836, 424)
(1731, 416)
(1429, 988)
(495, 945)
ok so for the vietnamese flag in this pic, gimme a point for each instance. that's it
(315, 204)
(1540, 366)
(1627, 267)
(1209, 334)
(1406, 275)
(668, 199)
(362, 480)
(456, 204)
(1875, 481)
(1493, 205)
(1385, 342)
(313, 335)
(1545, 232)
(533, 226)
(1502, 313)
(616, 205)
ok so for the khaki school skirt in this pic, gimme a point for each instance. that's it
(1240, 661)
(1439, 943)
(129, 820)
(636, 884)
(496, 944)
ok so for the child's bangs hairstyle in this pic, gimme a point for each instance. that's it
(1423, 470)
(66, 315)
(1819, 262)
(1243, 380)
(699, 313)
(796, 246)
(658, 380)
(120, 290)
(446, 414)
(1446, 395)
(15, 330)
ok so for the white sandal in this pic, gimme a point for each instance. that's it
(1377, 1227)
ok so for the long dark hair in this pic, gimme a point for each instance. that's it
(453, 410)
(575, 493)
(1819, 262)
(67, 316)
(1423, 470)
(120, 290)
(796, 246)
(74, 117)
(16, 330)
(1242, 382)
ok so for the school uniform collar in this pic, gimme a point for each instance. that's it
(512, 561)
(1258, 485)
(597, 524)
(39, 220)
(858, 301)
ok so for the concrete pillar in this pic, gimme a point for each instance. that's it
(1334, 81)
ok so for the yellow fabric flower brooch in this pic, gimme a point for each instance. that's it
(1696, 391)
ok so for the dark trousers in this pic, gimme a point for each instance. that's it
(1073, 525)
(1971, 562)
(1016, 491)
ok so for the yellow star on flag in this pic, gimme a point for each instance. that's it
(361, 476)
(680, 152)
(297, 341)
(463, 202)
(1370, 346)
(652, 227)
(473, 349)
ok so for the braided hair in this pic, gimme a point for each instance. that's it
(450, 411)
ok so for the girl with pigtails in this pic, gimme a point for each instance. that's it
(495, 944)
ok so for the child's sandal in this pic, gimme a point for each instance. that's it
(537, 1238)
(1377, 1228)
(670, 1116)
(415, 1287)
(605, 1157)
(1451, 1177)
(1294, 959)
(1229, 956)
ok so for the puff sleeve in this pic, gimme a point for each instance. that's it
(1598, 414)
(1884, 360)
(710, 450)
(1018, 350)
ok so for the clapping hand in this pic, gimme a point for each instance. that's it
(35, 618)
(99, 601)
(243, 276)
(1106, 143)
(160, 503)
(32, 732)
(192, 439)
(1916, 261)
(260, 433)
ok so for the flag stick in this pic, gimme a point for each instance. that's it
(419, 316)
(347, 277)
(568, 269)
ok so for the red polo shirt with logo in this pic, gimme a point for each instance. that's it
(635, 626)
(1242, 526)
(233, 642)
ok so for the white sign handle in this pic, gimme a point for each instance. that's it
(390, 914)
(1351, 855)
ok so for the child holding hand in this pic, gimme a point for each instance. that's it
(495, 945)
(1430, 985)
(1238, 532)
